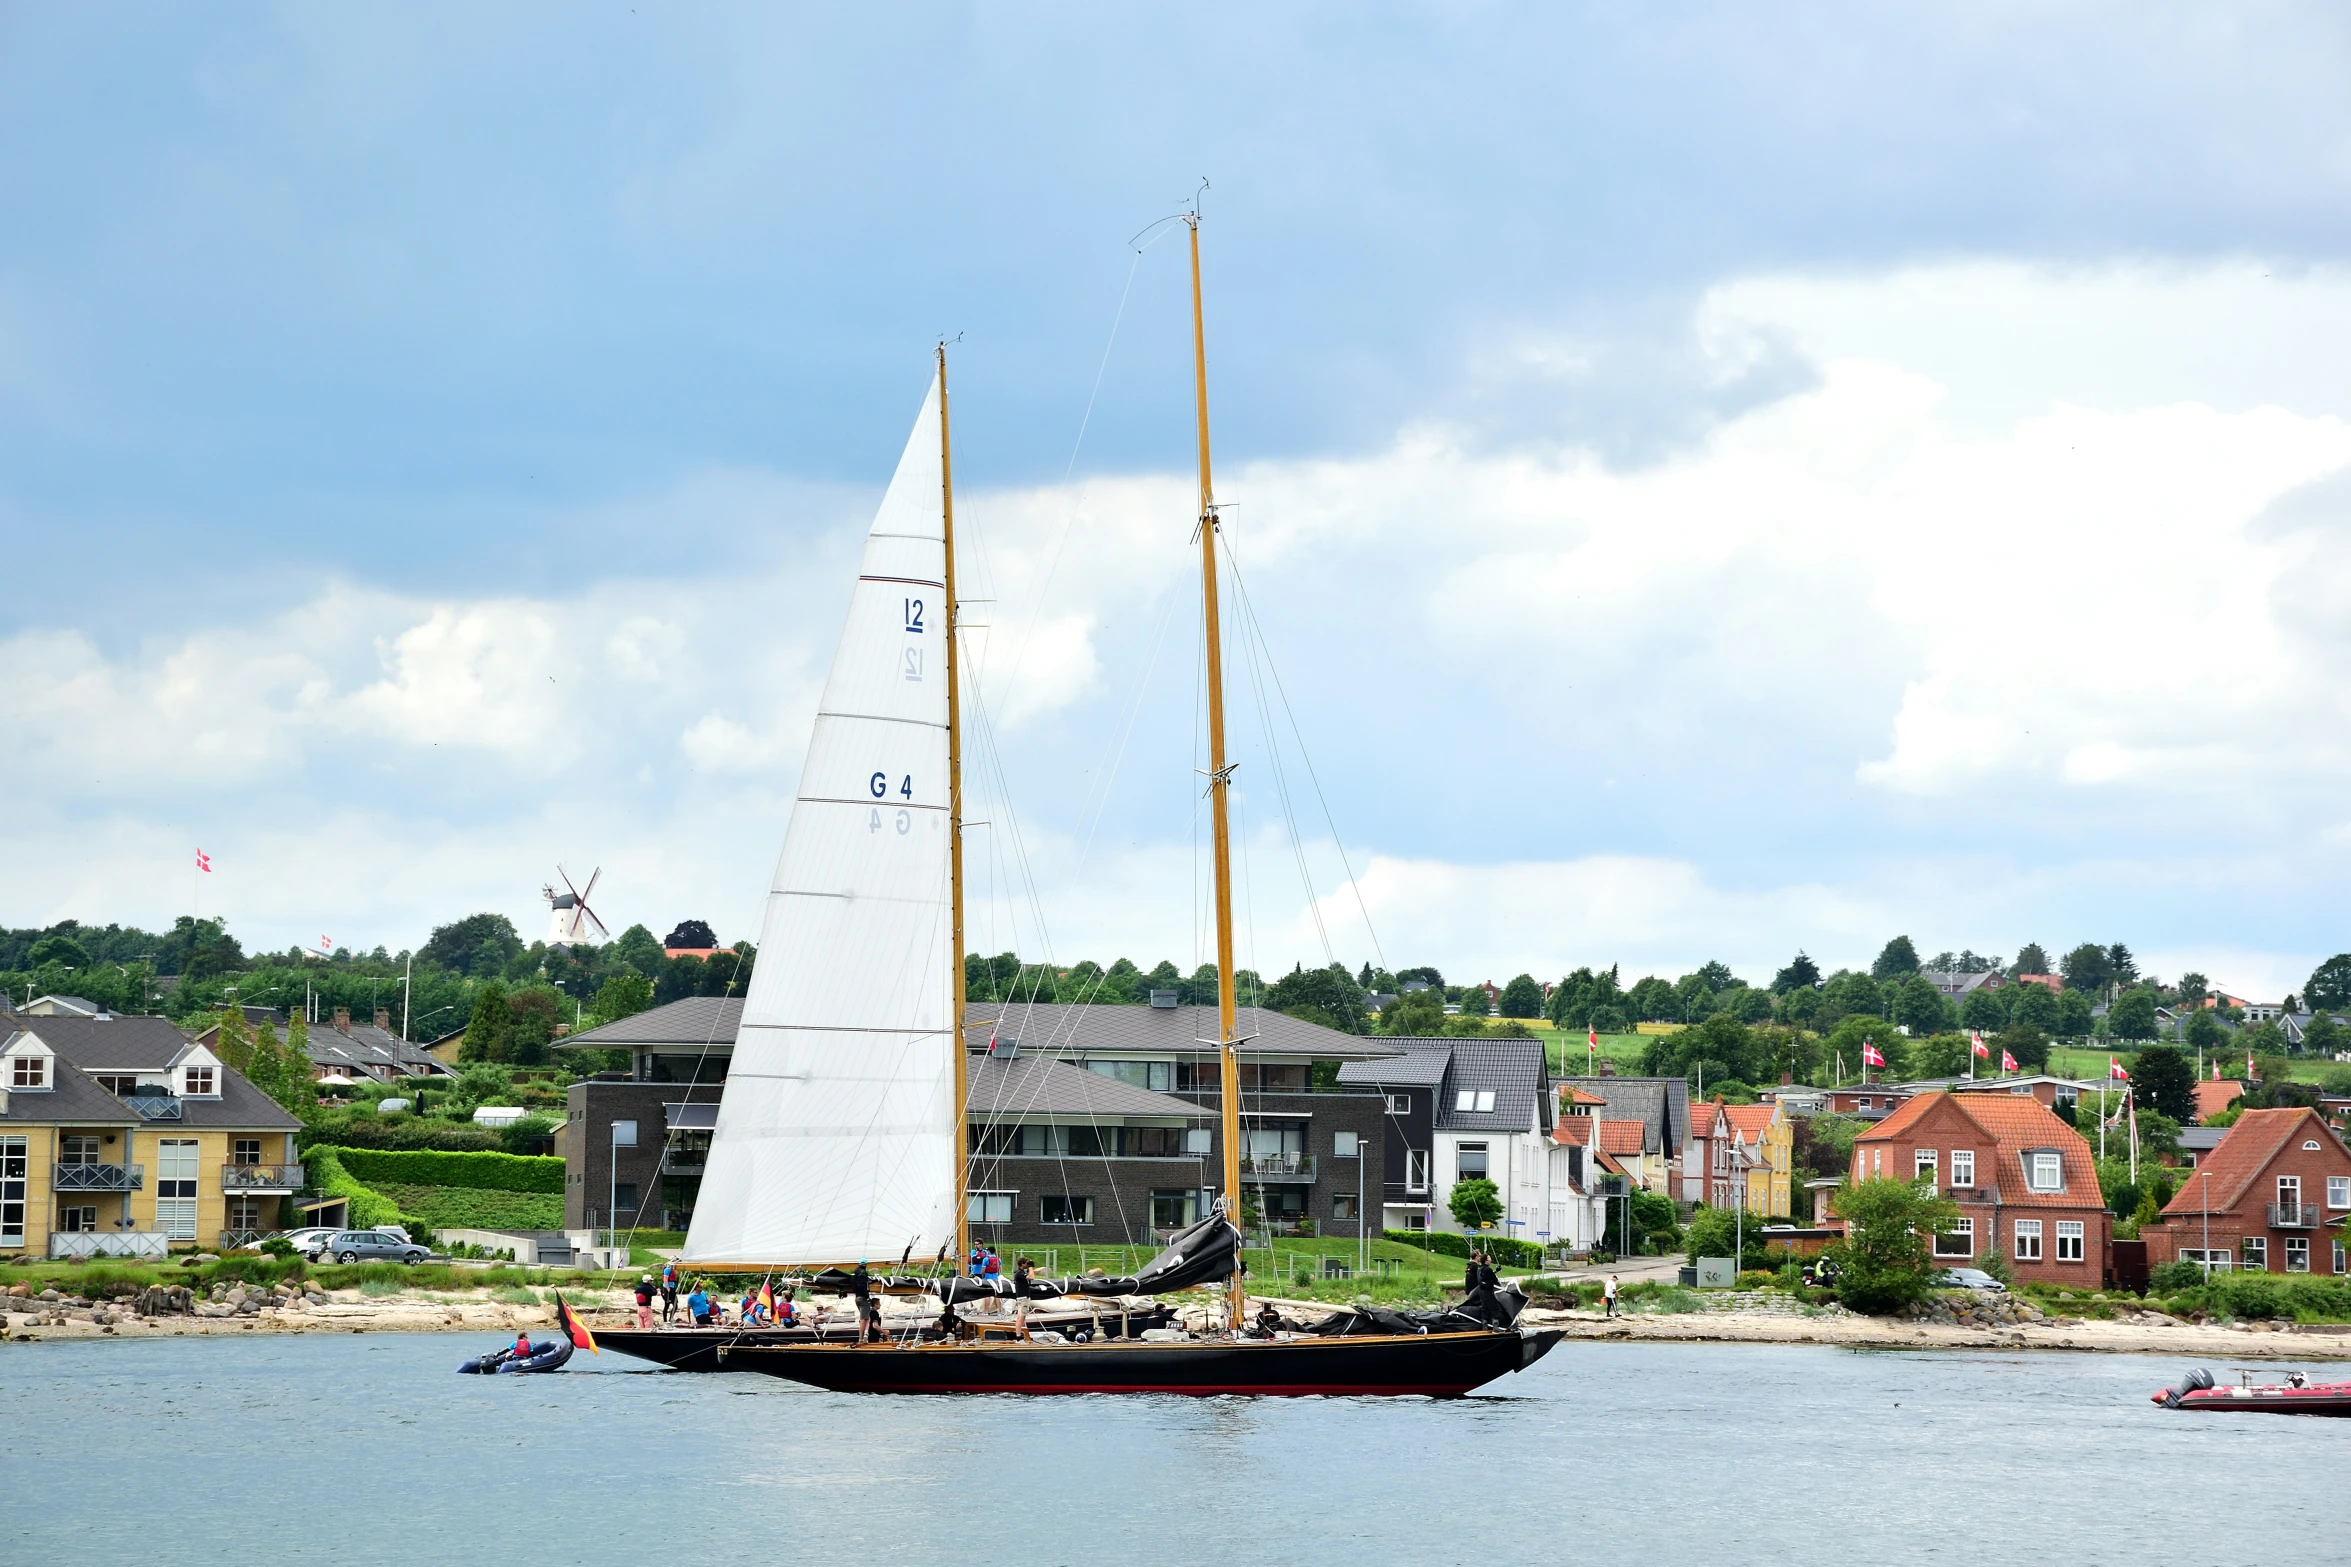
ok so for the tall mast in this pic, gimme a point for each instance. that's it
(1219, 783)
(955, 840)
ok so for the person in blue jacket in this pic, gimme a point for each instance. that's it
(698, 1306)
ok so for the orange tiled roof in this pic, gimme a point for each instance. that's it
(2239, 1160)
(2212, 1098)
(1574, 1131)
(1750, 1121)
(1581, 1096)
(2013, 1123)
(1621, 1137)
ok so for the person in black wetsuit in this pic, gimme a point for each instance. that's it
(869, 1309)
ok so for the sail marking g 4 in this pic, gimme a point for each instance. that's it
(837, 1133)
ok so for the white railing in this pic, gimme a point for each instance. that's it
(109, 1243)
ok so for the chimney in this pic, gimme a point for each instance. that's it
(1787, 1077)
(342, 1020)
(1164, 999)
(384, 1019)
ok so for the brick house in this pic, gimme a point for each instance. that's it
(2024, 1182)
(2272, 1197)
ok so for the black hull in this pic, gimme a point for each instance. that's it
(1434, 1365)
(715, 1349)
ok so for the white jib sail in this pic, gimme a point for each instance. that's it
(838, 1131)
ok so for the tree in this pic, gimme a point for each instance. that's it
(2121, 964)
(1475, 1002)
(2030, 959)
(1522, 997)
(1416, 1014)
(2024, 1043)
(2034, 1004)
(1897, 958)
(1718, 1232)
(1849, 993)
(692, 933)
(478, 945)
(1941, 1055)
(1722, 1049)
(535, 1012)
(2073, 1014)
(2165, 1080)
(1651, 1001)
(58, 949)
(1885, 1261)
(2088, 968)
(1717, 975)
(1800, 972)
(2329, 985)
(637, 948)
(1427, 976)
(1475, 1204)
(2325, 1037)
(1331, 992)
(489, 1027)
(2133, 1016)
(1984, 1009)
(623, 995)
(2194, 987)
(2204, 1031)
(1920, 1007)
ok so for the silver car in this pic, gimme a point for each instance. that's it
(1969, 1279)
(367, 1246)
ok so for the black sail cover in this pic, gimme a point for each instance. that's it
(1203, 1254)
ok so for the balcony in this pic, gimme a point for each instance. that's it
(1284, 1168)
(284, 1179)
(98, 1177)
(150, 1244)
(2293, 1216)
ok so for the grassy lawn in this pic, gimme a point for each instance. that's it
(1570, 1055)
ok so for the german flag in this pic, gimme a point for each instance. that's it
(767, 1298)
(569, 1321)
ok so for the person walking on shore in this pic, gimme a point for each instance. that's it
(1608, 1294)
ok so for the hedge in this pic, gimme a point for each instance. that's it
(367, 1209)
(479, 1208)
(1509, 1253)
(495, 1172)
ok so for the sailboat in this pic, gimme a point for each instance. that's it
(841, 1137)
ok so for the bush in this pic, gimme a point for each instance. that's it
(478, 1208)
(2172, 1277)
(1713, 1232)
(368, 1209)
(1475, 1204)
(1508, 1253)
(497, 1172)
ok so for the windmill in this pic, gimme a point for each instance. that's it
(570, 918)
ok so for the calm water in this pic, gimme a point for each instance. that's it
(368, 1449)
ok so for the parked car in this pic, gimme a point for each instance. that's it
(366, 1246)
(1969, 1279)
(304, 1242)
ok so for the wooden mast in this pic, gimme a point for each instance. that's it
(955, 841)
(1219, 783)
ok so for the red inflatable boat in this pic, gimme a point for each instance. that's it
(2297, 1395)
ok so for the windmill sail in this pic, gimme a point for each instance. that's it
(837, 1137)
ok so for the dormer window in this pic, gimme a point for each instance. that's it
(2044, 1171)
(1471, 1101)
(29, 1070)
(199, 1083)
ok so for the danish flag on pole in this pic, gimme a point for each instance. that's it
(1871, 1055)
(2007, 1062)
(1982, 1050)
(2216, 1071)
(203, 861)
(1591, 1038)
(2115, 1071)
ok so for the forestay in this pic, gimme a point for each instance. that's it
(837, 1133)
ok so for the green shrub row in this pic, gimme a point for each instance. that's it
(2262, 1296)
(478, 1208)
(496, 1172)
(367, 1208)
(1443, 1243)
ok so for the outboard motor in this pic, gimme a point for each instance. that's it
(2196, 1381)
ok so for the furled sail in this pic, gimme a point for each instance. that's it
(838, 1132)
(1204, 1253)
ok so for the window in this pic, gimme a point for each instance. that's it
(1963, 1166)
(81, 1150)
(2069, 1240)
(624, 1200)
(2044, 1171)
(1158, 1076)
(1469, 1162)
(2338, 1256)
(2290, 1198)
(2028, 1240)
(1199, 1140)
(2311, 1146)
(1928, 1168)
(245, 1150)
(624, 1134)
(1473, 1101)
(1064, 1209)
(244, 1213)
(988, 1208)
(1864, 1103)
(199, 1082)
(1343, 1205)
(117, 1086)
(1416, 1170)
(1346, 1145)
(2257, 1253)
(2214, 1261)
(77, 1221)
(2297, 1254)
(1399, 1104)
(28, 1071)
(1957, 1241)
(2339, 1191)
(1417, 1219)
(1877, 1162)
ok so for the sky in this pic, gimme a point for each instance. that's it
(1703, 485)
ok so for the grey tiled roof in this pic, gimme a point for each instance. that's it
(1064, 1027)
(72, 1099)
(1006, 1090)
(118, 1044)
(240, 1105)
(1512, 1070)
(690, 1023)
(1422, 1064)
(1660, 1104)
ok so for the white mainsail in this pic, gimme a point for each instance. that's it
(837, 1133)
